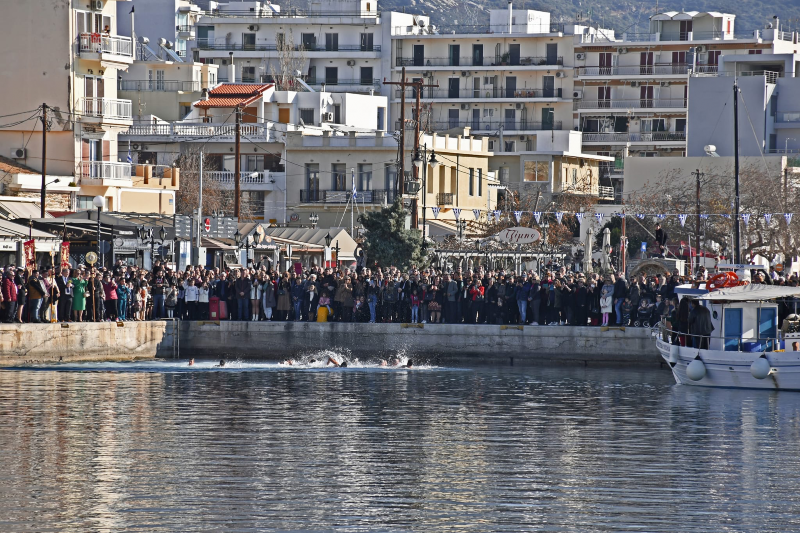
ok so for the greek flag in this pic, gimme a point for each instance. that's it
(476, 213)
(579, 216)
(788, 217)
(768, 218)
(622, 215)
(661, 217)
(435, 212)
(746, 218)
(355, 192)
(517, 215)
(704, 217)
(130, 159)
(497, 216)
(456, 212)
(726, 216)
(537, 215)
(559, 216)
(640, 216)
(599, 217)
(682, 218)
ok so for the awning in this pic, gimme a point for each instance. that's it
(752, 293)
(13, 210)
(216, 244)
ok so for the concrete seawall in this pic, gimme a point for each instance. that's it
(273, 341)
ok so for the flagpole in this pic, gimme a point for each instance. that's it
(353, 196)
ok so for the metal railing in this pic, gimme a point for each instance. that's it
(177, 129)
(370, 196)
(791, 116)
(656, 136)
(289, 13)
(184, 28)
(605, 192)
(471, 29)
(101, 43)
(105, 170)
(489, 124)
(204, 44)
(444, 198)
(106, 108)
(478, 62)
(719, 342)
(634, 103)
(490, 92)
(672, 69)
(705, 69)
(246, 177)
(158, 85)
(316, 82)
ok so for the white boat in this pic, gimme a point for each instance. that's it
(746, 349)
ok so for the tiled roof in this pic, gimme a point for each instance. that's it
(227, 102)
(233, 94)
(12, 167)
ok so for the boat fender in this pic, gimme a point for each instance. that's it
(674, 351)
(760, 368)
(696, 370)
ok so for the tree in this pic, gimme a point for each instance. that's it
(387, 242)
(291, 60)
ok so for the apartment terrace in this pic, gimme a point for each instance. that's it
(106, 48)
(249, 180)
(665, 69)
(267, 15)
(449, 31)
(177, 131)
(660, 137)
(159, 85)
(650, 104)
(525, 61)
(677, 37)
(499, 93)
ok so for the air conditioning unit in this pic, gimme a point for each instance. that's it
(561, 74)
(464, 73)
(464, 106)
(427, 74)
(634, 84)
(521, 137)
(665, 84)
(667, 149)
(135, 146)
(580, 56)
(18, 153)
(253, 27)
(97, 5)
(327, 117)
(351, 62)
(519, 106)
(488, 80)
(700, 48)
(577, 94)
(623, 50)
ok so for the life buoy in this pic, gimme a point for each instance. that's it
(724, 280)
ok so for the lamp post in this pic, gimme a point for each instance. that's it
(418, 163)
(98, 203)
(461, 226)
(313, 218)
(147, 236)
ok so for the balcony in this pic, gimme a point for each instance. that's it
(105, 110)
(259, 180)
(682, 36)
(639, 137)
(522, 30)
(491, 125)
(635, 103)
(265, 14)
(106, 172)
(671, 69)
(339, 84)
(158, 85)
(205, 44)
(374, 196)
(211, 131)
(106, 48)
(185, 32)
(444, 198)
(500, 93)
(527, 61)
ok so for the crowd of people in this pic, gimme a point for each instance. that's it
(429, 295)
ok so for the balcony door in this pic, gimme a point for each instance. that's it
(454, 54)
(548, 118)
(604, 97)
(686, 29)
(452, 87)
(477, 55)
(511, 86)
(552, 53)
(419, 55)
(476, 119)
(679, 65)
(513, 54)
(339, 175)
(93, 91)
(646, 63)
(605, 63)
(248, 41)
(452, 118)
(548, 86)
(646, 96)
(312, 181)
(510, 119)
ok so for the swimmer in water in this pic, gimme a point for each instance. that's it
(332, 361)
(395, 362)
(191, 362)
(384, 363)
(221, 363)
(288, 362)
(409, 364)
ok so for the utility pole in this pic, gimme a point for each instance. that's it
(697, 175)
(200, 210)
(44, 157)
(737, 243)
(237, 163)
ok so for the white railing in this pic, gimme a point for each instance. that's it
(100, 43)
(637, 103)
(655, 136)
(634, 70)
(105, 170)
(605, 192)
(106, 108)
(177, 129)
(246, 177)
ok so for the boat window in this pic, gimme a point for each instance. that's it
(732, 329)
(768, 327)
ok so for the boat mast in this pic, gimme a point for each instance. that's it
(736, 235)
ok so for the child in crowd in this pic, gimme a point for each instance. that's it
(627, 307)
(414, 307)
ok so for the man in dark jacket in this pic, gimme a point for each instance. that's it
(36, 294)
(620, 293)
(661, 240)
(700, 326)
(242, 287)
(64, 295)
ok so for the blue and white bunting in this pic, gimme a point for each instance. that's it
(518, 215)
(788, 217)
(703, 217)
(768, 218)
(497, 215)
(435, 212)
(538, 216)
(621, 215)
(661, 217)
(746, 218)
(682, 218)
(726, 215)
(355, 191)
(559, 216)
(456, 212)
(579, 216)
(599, 217)
(130, 159)
(476, 213)
(640, 216)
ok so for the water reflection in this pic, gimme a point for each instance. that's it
(375, 449)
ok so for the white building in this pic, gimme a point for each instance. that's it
(171, 20)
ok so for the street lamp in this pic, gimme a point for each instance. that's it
(98, 203)
(237, 238)
(418, 163)
(328, 239)
(313, 218)
(147, 236)
(461, 226)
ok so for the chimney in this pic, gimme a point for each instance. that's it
(231, 69)
(510, 18)
(205, 94)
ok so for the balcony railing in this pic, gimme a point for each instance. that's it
(523, 29)
(672, 69)
(656, 136)
(605, 192)
(793, 116)
(444, 198)
(487, 92)
(105, 170)
(97, 43)
(373, 196)
(316, 82)
(245, 177)
(176, 129)
(158, 85)
(637, 103)
(491, 125)
(289, 13)
(109, 108)
(205, 44)
(478, 62)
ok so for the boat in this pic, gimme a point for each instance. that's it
(746, 348)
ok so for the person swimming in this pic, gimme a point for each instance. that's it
(191, 362)
(409, 364)
(221, 363)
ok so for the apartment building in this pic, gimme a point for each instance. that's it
(631, 92)
(171, 20)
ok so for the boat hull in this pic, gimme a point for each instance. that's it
(729, 369)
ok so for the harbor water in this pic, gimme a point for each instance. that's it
(160, 446)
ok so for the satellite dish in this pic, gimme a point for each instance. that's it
(421, 23)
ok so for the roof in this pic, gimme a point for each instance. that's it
(688, 15)
(751, 293)
(14, 230)
(12, 210)
(233, 95)
(12, 167)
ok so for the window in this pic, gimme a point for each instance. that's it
(452, 118)
(331, 42)
(205, 36)
(491, 146)
(366, 75)
(480, 182)
(253, 163)
(505, 172)
(381, 119)
(339, 176)
(472, 182)
(248, 74)
(212, 78)
(366, 42)
(510, 146)
(84, 203)
(331, 75)
(537, 171)
(248, 41)
(454, 54)
(312, 182)
(307, 116)
(309, 41)
(364, 177)
(754, 52)
(390, 176)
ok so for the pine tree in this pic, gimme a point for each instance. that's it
(387, 242)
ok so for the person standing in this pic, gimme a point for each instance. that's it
(36, 294)
(620, 293)
(661, 241)
(79, 295)
(159, 283)
(9, 290)
(65, 292)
